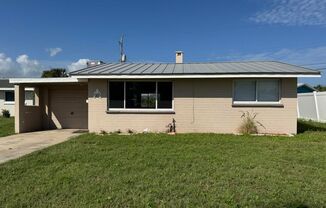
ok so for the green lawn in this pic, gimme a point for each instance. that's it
(157, 170)
(7, 126)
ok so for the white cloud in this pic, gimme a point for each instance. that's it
(293, 12)
(5, 64)
(81, 63)
(21, 67)
(54, 51)
(28, 66)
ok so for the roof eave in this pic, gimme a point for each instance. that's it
(45, 80)
(189, 76)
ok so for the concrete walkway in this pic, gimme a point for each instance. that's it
(14, 146)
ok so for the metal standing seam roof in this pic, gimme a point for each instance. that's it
(249, 67)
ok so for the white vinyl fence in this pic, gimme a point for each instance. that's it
(312, 106)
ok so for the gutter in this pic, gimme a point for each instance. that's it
(45, 80)
(202, 76)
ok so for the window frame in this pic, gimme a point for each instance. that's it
(257, 102)
(139, 110)
(9, 102)
(35, 97)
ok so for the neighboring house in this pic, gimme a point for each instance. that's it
(7, 96)
(305, 88)
(201, 97)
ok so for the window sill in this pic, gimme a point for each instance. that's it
(257, 104)
(140, 111)
(9, 103)
(31, 105)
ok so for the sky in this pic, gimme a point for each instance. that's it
(37, 35)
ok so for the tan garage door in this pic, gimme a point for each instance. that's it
(68, 108)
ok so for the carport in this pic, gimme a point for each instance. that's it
(58, 103)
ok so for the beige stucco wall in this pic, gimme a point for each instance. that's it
(27, 118)
(201, 105)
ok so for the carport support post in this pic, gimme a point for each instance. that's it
(19, 108)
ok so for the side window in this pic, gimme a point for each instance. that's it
(256, 91)
(268, 90)
(31, 96)
(9, 96)
(245, 90)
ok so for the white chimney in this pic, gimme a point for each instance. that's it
(179, 57)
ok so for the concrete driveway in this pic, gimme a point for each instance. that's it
(14, 146)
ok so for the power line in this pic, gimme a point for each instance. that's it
(321, 69)
(312, 64)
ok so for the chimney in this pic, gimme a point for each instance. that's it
(179, 57)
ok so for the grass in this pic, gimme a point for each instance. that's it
(6, 126)
(157, 170)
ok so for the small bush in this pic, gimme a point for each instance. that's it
(103, 132)
(5, 113)
(130, 131)
(117, 131)
(249, 124)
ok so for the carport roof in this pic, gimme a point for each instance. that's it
(44, 80)
(217, 68)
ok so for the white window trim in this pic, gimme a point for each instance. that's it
(140, 110)
(9, 102)
(257, 102)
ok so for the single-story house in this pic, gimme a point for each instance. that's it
(201, 97)
(305, 88)
(7, 96)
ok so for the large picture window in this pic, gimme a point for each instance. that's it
(140, 95)
(260, 91)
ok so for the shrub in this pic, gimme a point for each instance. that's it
(249, 124)
(103, 132)
(5, 113)
(117, 131)
(130, 131)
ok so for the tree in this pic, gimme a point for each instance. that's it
(56, 72)
(320, 88)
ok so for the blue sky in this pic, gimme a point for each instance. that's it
(40, 34)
